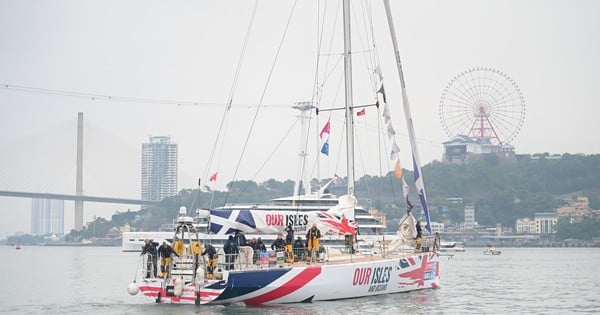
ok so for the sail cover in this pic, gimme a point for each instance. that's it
(273, 222)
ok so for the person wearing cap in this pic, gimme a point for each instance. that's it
(150, 248)
(165, 252)
(312, 237)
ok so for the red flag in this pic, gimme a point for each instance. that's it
(213, 177)
(361, 112)
(325, 129)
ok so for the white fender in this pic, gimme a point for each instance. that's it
(200, 276)
(132, 289)
(178, 286)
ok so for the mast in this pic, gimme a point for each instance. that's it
(304, 108)
(348, 98)
(419, 183)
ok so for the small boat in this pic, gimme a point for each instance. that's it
(491, 250)
(18, 245)
(452, 247)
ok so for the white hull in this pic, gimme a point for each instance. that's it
(366, 276)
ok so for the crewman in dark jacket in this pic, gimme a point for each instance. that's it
(150, 249)
(165, 252)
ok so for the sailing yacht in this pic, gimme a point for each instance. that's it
(341, 275)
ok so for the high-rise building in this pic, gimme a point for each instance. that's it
(159, 168)
(47, 216)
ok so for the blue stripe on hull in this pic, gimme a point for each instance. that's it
(248, 281)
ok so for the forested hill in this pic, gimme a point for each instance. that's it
(500, 193)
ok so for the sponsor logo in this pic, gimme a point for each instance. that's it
(376, 278)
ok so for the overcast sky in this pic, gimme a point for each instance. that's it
(188, 51)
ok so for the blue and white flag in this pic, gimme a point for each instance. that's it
(421, 191)
(325, 148)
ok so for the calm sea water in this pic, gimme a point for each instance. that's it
(64, 280)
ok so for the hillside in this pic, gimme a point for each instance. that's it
(501, 193)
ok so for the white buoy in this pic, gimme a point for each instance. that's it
(178, 286)
(132, 289)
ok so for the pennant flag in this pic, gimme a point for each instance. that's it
(213, 177)
(405, 188)
(395, 150)
(390, 131)
(382, 91)
(361, 112)
(378, 72)
(325, 129)
(325, 148)
(386, 113)
(398, 169)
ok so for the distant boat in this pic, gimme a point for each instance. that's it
(491, 250)
(451, 247)
(18, 246)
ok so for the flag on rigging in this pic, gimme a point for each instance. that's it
(325, 129)
(361, 112)
(405, 188)
(213, 177)
(382, 91)
(390, 131)
(398, 169)
(386, 112)
(395, 150)
(325, 148)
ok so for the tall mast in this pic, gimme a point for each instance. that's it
(304, 108)
(419, 183)
(348, 97)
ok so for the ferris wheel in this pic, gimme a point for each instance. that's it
(483, 103)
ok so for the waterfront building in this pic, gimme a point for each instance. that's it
(545, 223)
(469, 217)
(525, 226)
(47, 216)
(159, 168)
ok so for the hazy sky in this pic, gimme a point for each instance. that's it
(188, 51)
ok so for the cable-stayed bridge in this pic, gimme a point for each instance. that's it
(24, 176)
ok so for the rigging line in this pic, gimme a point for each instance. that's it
(223, 124)
(268, 158)
(120, 99)
(320, 35)
(330, 48)
(263, 94)
(362, 44)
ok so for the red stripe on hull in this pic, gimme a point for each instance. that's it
(294, 284)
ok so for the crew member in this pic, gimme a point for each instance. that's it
(419, 238)
(312, 237)
(213, 260)
(278, 245)
(150, 248)
(289, 239)
(165, 252)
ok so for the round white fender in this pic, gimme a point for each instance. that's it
(200, 276)
(177, 286)
(132, 289)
